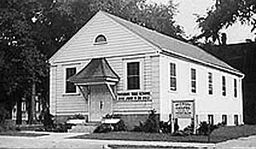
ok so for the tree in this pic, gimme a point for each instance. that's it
(225, 13)
(31, 31)
(150, 15)
(22, 65)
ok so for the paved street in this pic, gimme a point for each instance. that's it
(62, 140)
(241, 143)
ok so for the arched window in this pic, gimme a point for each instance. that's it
(100, 39)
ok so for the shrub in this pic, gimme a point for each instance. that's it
(3, 114)
(78, 116)
(189, 130)
(205, 128)
(46, 118)
(103, 128)
(120, 126)
(60, 128)
(165, 127)
(151, 124)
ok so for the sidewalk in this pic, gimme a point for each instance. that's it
(62, 140)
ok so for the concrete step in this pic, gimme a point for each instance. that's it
(82, 129)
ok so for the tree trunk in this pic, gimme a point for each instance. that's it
(19, 112)
(32, 113)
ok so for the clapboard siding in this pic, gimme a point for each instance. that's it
(155, 82)
(121, 45)
(68, 103)
(77, 104)
(120, 42)
(53, 87)
(132, 106)
(117, 65)
(147, 73)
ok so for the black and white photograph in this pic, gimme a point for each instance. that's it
(128, 74)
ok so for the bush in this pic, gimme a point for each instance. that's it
(103, 128)
(189, 130)
(120, 126)
(151, 125)
(77, 116)
(165, 127)
(3, 114)
(60, 128)
(205, 128)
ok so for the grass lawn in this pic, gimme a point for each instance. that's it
(20, 134)
(218, 135)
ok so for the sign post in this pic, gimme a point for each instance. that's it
(183, 109)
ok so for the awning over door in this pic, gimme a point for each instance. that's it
(96, 72)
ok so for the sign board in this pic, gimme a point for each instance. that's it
(183, 109)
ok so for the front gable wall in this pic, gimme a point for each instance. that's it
(120, 41)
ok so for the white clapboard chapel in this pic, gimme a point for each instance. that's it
(113, 66)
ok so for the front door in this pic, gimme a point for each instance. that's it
(100, 102)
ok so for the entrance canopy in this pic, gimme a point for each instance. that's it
(97, 71)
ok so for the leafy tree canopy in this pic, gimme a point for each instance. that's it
(31, 31)
(225, 13)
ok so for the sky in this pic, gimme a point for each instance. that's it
(186, 18)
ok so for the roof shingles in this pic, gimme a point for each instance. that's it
(172, 45)
(97, 70)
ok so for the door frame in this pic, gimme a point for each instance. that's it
(90, 101)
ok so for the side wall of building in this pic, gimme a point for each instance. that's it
(205, 104)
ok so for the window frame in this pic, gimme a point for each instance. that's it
(236, 119)
(173, 77)
(65, 81)
(193, 81)
(224, 119)
(100, 42)
(210, 83)
(210, 119)
(141, 72)
(235, 88)
(224, 86)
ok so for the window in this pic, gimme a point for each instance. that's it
(223, 86)
(133, 75)
(23, 106)
(100, 39)
(70, 87)
(236, 120)
(37, 106)
(210, 119)
(173, 82)
(210, 85)
(235, 88)
(224, 119)
(193, 80)
(101, 105)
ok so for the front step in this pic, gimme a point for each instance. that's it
(88, 128)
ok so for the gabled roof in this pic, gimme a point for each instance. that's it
(171, 45)
(96, 71)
